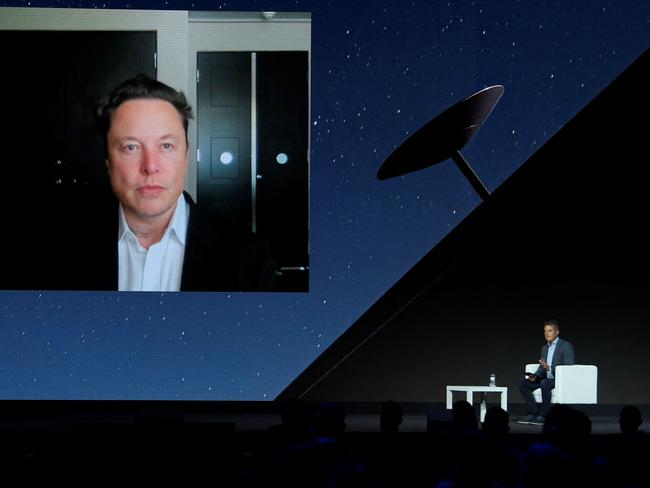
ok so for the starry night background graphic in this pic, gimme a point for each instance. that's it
(380, 70)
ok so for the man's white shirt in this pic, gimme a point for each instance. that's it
(160, 267)
(549, 357)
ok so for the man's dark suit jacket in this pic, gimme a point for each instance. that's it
(78, 251)
(564, 355)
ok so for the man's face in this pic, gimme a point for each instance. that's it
(550, 333)
(147, 158)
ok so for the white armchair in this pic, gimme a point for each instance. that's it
(575, 384)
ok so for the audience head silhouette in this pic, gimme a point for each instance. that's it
(496, 422)
(630, 419)
(391, 416)
(463, 414)
(330, 419)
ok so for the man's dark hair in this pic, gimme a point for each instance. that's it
(553, 323)
(140, 87)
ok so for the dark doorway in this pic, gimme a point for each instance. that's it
(224, 126)
(283, 161)
(253, 119)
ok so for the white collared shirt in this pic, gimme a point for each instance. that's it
(549, 357)
(160, 267)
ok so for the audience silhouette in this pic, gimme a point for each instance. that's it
(391, 416)
(630, 419)
(628, 451)
(316, 451)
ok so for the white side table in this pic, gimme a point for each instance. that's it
(470, 390)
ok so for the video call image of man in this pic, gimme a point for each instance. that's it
(162, 240)
(135, 228)
(554, 353)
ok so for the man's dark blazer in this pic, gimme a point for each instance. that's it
(564, 355)
(80, 253)
(219, 258)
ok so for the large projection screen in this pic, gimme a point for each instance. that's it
(375, 73)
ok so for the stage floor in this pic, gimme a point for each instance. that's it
(604, 419)
(358, 422)
(259, 416)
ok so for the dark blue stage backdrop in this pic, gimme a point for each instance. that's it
(380, 69)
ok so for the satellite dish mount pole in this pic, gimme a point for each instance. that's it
(469, 173)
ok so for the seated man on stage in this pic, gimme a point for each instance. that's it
(556, 352)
